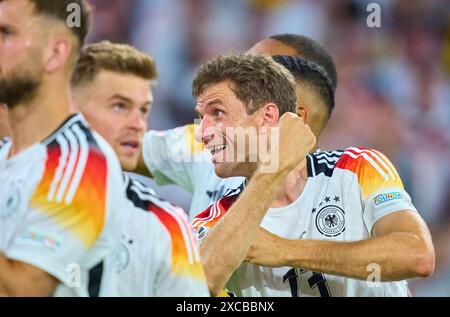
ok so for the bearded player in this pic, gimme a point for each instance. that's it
(61, 186)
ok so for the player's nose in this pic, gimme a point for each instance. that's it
(204, 131)
(137, 121)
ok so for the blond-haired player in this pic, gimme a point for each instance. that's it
(158, 256)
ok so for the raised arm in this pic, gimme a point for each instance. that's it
(226, 245)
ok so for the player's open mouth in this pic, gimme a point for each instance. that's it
(216, 149)
(130, 144)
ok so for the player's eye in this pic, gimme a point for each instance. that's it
(144, 111)
(218, 113)
(5, 31)
(119, 106)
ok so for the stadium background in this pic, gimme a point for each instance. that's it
(393, 91)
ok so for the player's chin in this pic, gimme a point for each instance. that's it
(128, 162)
(224, 170)
(220, 169)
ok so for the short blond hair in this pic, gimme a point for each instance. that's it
(120, 58)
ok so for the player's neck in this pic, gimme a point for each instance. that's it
(293, 186)
(36, 119)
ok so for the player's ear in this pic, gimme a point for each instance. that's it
(270, 114)
(58, 53)
(303, 112)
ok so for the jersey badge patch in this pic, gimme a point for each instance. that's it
(330, 219)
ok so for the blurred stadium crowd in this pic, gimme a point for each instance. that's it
(393, 91)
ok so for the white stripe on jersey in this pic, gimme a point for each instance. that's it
(56, 134)
(330, 160)
(62, 163)
(371, 161)
(215, 211)
(70, 165)
(187, 232)
(81, 165)
(311, 163)
(334, 154)
(183, 215)
(143, 188)
(388, 162)
(377, 157)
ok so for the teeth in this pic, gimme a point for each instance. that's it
(216, 149)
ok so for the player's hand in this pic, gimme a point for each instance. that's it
(266, 250)
(293, 141)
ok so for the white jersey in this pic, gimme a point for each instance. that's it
(59, 204)
(174, 157)
(346, 193)
(158, 255)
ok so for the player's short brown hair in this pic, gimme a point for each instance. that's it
(256, 79)
(120, 58)
(61, 11)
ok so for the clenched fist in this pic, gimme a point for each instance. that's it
(290, 142)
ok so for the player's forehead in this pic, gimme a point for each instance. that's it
(272, 47)
(221, 92)
(17, 13)
(125, 84)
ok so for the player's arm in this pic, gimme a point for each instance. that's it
(168, 156)
(401, 245)
(21, 279)
(400, 241)
(226, 245)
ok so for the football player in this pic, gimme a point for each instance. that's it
(61, 186)
(159, 256)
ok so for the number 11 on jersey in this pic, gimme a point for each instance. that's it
(317, 280)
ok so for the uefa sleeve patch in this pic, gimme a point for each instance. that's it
(382, 198)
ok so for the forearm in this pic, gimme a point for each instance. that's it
(227, 244)
(20, 279)
(399, 255)
(4, 276)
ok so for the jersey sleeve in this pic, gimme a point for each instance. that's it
(173, 156)
(66, 212)
(180, 272)
(382, 190)
(204, 221)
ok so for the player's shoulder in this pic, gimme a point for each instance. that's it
(214, 212)
(183, 136)
(145, 198)
(357, 160)
(77, 172)
(75, 138)
(75, 153)
(139, 193)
